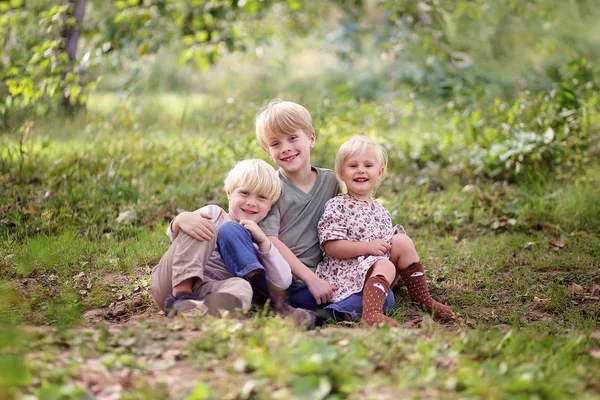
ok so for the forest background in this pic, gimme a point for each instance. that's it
(115, 116)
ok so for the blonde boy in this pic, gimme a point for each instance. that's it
(284, 129)
(194, 275)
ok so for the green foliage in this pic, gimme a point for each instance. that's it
(470, 50)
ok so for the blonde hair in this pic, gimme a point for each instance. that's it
(280, 118)
(255, 176)
(356, 147)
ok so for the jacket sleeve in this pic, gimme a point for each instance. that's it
(212, 210)
(277, 270)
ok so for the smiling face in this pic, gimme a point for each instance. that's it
(244, 204)
(362, 172)
(292, 152)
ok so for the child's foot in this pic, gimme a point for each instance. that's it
(374, 295)
(303, 318)
(416, 284)
(192, 305)
(181, 302)
(372, 319)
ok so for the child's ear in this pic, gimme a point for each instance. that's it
(381, 171)
(313, 139)
(228, 195)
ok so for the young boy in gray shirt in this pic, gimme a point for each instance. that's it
(284, 129)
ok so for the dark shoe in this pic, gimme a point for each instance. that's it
(181, 302)
(306, 319)
(193, 306)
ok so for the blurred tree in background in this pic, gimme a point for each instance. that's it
(47, 50)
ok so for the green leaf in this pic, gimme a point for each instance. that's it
(200, 392)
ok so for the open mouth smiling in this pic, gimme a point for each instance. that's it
(290, 158)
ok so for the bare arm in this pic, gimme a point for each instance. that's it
(347, 249)
(321, 290)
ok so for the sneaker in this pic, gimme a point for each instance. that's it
(193, 306)
(183, 301)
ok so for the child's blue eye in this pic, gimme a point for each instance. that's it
(274, 144)
(293, 137)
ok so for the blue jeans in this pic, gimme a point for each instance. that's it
(352, 305)
(234, 244)
(300, 297)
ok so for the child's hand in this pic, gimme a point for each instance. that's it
(321, 290)
(377, 247)
(196, 224)
(258, 235)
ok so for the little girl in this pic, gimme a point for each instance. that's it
(356, 234)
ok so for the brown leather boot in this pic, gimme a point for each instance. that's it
(414, 278)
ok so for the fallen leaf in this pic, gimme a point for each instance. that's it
(528, 244)
(594, 353)
(127, 217)
(595, 290)
(560, 242)
(595, 335)
(575, 289)
(543, 301)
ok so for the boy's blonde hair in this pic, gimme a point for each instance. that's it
(281, 118)
(356, 147)
(255, 176)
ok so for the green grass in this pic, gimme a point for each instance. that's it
(527, 287)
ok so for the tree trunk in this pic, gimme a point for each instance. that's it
(71, 39)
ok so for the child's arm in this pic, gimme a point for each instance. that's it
(196, 224)
(347, 249)
(321, 290)
(277, 269)
(258, 236)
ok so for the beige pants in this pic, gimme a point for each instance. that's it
(187, 258)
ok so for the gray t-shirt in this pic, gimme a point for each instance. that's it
(295, 216)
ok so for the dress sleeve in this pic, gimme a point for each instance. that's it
(333, 224)
(277, 270)
(270, 225)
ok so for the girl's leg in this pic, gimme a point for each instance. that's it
(404, 256)
(377, 287)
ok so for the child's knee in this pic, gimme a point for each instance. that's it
(385, 266)
(402, 242)
(231, 229)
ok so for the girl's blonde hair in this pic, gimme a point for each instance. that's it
(281, 118)
(356, 147)
(255, 176)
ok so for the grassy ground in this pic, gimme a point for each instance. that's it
(85, 203)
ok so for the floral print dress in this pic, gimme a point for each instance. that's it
(348, 218)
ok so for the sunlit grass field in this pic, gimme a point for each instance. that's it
(85, 202)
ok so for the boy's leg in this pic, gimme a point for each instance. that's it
(234, 243)
(228, 295)
(184, 260)
(300, 297)
(412, 272)
(237, 250)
